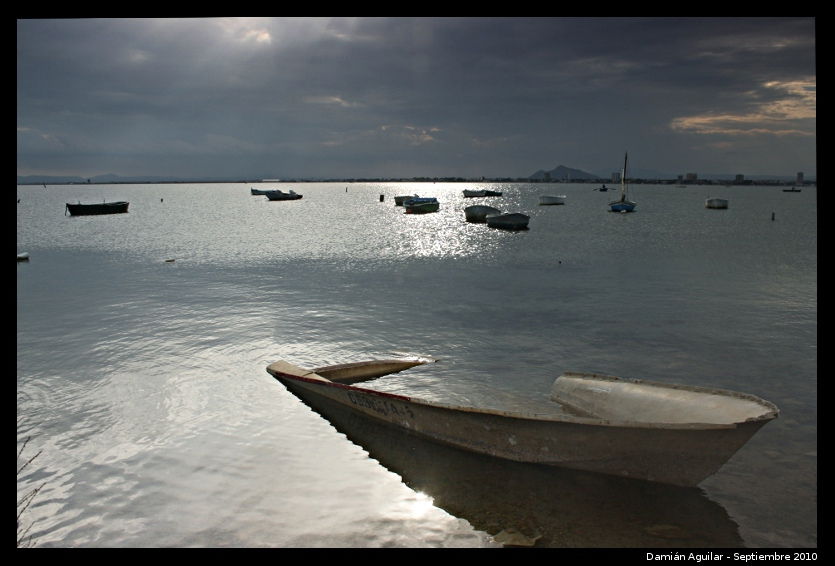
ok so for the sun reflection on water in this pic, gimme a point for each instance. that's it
(442, 234)
(420, 505)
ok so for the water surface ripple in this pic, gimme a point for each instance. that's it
(142, 381)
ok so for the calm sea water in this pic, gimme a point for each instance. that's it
(141, 382)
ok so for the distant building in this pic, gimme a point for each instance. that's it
(616, 177)
(799, 180)
(739, 179)
(692, 177)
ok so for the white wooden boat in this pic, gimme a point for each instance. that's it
(715, 202)
(478, 212)
(674, 434)
(509, 221)
(551, 199)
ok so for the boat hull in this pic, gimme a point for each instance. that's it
(421, 205)
(717, 203)
(281, 195)
(99, 208)
(551, 200)
(680, 455)
(423, 208)
(512, 221)
(622, 206)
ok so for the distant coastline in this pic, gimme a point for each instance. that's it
(114, 180)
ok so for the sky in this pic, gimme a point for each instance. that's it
(415, 97)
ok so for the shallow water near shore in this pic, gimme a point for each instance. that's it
(142, 380)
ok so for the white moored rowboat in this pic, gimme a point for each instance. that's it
(673, 434)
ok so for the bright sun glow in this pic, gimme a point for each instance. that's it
(421, 505)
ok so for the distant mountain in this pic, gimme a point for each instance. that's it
(561, 173)
(52, 179)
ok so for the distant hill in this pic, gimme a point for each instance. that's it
(562, 172)
(52, 179)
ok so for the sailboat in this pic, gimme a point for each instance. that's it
(622, 204)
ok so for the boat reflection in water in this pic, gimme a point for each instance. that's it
(549, 507)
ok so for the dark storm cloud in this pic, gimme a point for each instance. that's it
(414, 96)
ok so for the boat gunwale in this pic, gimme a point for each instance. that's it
(564, 417)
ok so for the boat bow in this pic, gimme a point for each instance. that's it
(348, 373)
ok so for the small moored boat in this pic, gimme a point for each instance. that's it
(79, 209)
(421, 205)
(792, 190)
(623, 204)
(674, 434)
(257, 192)
(479, 212)
(24, 256)
(551, 199)
(399, 200)
(715, 202)
(278, 194)
(471, 193)
(509, 221)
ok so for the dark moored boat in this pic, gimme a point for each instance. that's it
(510, 221)
(278, 194)
(399, 200)
(79, 209)
(421, 205)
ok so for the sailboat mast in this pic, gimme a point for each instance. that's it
(623, 178)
